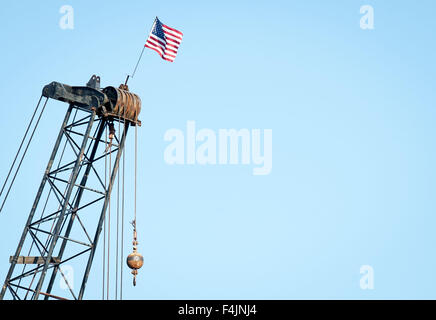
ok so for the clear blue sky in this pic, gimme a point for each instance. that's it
(353, 118)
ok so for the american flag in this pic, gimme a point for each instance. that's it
(164, 40)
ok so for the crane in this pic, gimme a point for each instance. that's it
(69, 211)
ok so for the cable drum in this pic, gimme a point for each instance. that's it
(124, 103)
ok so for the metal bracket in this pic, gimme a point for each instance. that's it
(94, 82)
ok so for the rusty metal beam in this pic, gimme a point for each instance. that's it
(33, 260)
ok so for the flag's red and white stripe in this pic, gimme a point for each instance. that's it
(166, 46)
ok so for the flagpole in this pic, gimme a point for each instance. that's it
(140, 56)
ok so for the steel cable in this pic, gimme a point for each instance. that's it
(25, 151)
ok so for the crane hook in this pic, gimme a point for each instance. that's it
(135, 260)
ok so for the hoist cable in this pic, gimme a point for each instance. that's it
(118, 219)
(104, 222)
(136, 165)
(122, 205)
(109, 220)
(24, 154)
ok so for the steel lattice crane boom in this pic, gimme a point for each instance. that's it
(67, 216)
